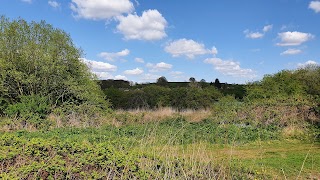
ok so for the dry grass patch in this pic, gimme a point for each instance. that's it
(161, 114)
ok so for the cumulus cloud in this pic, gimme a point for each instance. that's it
(139, 60)
(104, 75)
(54, 4)
(97, 66)
(162, 66)
(120, 77)
(267, 28)
(307, 63)
(257, 35)
(150, 26)
(135, 71)
(112, 56)
(293, 38)
(315, 5)
(101, 69)
(291, 52)
(230, 68)
(101, 9)
(188, 48)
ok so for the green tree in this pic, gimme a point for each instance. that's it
(162, 81)
(192, 79)
(38, 60)
(294, 86)
(217, 83)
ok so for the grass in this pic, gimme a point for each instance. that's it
(172, 148)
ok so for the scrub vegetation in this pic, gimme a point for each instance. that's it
(57, 123)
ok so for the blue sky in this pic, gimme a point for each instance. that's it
(141, 40)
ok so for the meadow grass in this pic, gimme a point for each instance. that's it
(172, 148)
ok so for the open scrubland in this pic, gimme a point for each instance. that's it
(165, 144)
(57, 123)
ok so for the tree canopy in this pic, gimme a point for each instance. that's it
(162, 81)
(287, 86)
(38, 60)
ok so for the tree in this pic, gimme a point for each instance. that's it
(162, 81)
(285, 86)
(192, 79)
(217, 83)
(38, 60)
(203, 83)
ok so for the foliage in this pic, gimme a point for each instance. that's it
(162, 81)
(175, 149)
(38, 61)
(40, 73)
(296, 87)
(217, 83)
(32, 109)
(154, 96)
(286, 85)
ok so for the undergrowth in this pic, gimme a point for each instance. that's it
(169, 149)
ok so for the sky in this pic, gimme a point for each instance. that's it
(140, 40)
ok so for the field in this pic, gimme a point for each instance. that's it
(188, 145)
(58, 121)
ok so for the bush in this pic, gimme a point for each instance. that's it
(40, 68)
(32, 109)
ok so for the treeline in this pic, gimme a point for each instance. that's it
(179, 95)
(288, 86)
(154, 96)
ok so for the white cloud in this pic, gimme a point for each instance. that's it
(291, 52)
(257, 35)
(254, 35)
(178, 75)
(120, 77)
(135, 71)
(150, 77)
(139, 60)
(104, 75)
(230, 68)
(315, 5)
(293, 38)
(27, 1)
(54, 4)
(150, 26)
(112, 56)
(307, 63)
(188, 48)
(101, 9)
(162, 66)
(97, 66)
(267, 28)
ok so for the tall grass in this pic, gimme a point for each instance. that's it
(175, 148)
(230, 141)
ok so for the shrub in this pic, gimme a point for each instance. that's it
(40, 67)
(32, 109)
